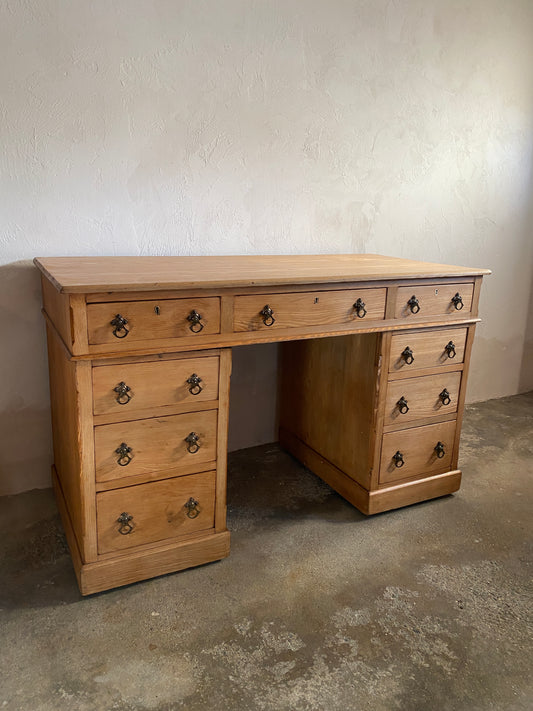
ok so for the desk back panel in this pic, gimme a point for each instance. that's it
(328, 396)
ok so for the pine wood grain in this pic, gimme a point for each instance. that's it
(412, 492)
(91, 274)
(307, 309)
(142, 564)
(422, 396)
(70, 389)
(417, 446)
(154, 384)
(222, 440)
(151, 320)
(434, 300)
(158, 511)
(157, 444)
(327, 396)
(428, 349)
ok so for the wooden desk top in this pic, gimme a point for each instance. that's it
(86, 275)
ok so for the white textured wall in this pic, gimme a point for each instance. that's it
(242, 126)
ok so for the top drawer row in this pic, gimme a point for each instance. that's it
(112, 322)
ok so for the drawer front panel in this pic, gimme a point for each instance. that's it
(417, 449)
(158, 510)
(320, 308)
(154, 445)
(437, 300)
(149, 320)
(416, 398)
(137, 386)
(428, 349)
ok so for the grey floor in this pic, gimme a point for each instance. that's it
(318, 607)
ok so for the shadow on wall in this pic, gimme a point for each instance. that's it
(526, 371)
(25, 429)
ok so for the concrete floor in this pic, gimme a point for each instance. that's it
(318, 607)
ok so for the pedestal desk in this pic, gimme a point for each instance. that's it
(372, 388)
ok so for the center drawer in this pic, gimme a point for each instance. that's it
(157, 444)
(155, 511)
(132, 387)
(316, 308)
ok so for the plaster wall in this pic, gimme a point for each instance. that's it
(401, 127)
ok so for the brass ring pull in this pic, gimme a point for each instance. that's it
(398, 459)
(413, 304)
(196, 324)
(124, 457)
(123, 396)
(450, 349)
(360, 309)
(439, 449)
(119, 323)
(125, 525)
(192, 440)
(192, 508)
(268, 315)
(445, 397)
(194, 382)
(457, 301)
(408, 355)
(403, 406)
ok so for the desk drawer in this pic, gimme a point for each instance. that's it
(314, 308)
(415, 398)
(122, 323)
(416, 448)
(436, 300)
(413, 351)
(158, 510)
(132, 387)
(154, 445)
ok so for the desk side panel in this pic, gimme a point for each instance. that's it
(70, 387)
(328, 398)
(57, 308)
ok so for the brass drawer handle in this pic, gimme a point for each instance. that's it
(192, 440)
(125, 525)
(439, 449)
(450, 349)
(457, 301)
(413, 304)
(398, 459)
(124, 457)
(123, 396)
(445, 397)
(119, 323)
(196, 324)
(268, 315)
(194, 382)
(408, 355)
(403, 406)
(360, 309)
(192, 508)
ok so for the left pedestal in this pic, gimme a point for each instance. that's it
(139, 461)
